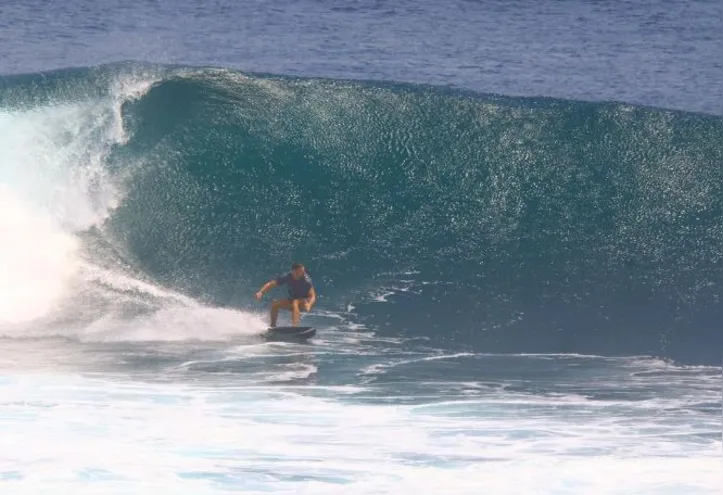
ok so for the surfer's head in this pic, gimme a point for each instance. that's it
(297, 270)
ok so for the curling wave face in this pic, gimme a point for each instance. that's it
(524, 225)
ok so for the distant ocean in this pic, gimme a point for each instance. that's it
(512, 213)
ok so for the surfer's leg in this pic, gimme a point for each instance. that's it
(295, 315)
(276, 305)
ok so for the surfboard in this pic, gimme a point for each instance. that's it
(290, 333)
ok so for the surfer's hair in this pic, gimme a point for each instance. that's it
(296, 266)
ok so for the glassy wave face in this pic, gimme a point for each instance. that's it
(513, 224)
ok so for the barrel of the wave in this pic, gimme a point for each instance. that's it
(510, 223)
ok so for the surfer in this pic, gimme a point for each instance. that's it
(302, 295)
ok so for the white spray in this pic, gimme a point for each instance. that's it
(55, 185)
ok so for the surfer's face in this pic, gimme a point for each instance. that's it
(298, 272)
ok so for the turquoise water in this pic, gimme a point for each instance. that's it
(519, 225)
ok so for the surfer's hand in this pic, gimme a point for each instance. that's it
(259, 295)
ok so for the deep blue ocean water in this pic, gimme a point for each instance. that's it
(659, 53)
(512, 211)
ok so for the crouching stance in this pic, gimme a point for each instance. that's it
(302, 295)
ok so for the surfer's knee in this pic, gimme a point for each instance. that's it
(277, 304)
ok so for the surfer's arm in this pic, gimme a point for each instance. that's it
(312, 297)
(266, 287)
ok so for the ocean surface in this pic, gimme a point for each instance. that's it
(512, 213)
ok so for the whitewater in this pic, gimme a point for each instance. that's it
(474, 343)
